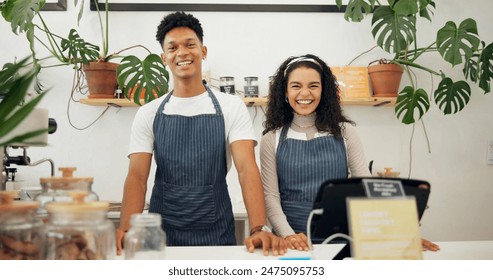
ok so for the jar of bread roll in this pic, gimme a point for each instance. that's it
(19, 229)
(78, 230)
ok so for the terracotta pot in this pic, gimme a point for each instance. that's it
(101, 79)
(385, 79)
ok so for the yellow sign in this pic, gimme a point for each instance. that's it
(384, 229)
(353, 81)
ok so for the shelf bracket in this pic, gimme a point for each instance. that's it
(381, 103)
(114, 105)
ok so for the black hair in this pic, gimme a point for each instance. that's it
(329, 114)
(179, 19)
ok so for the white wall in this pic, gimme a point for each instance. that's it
(254, 44)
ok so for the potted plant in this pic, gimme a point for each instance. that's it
(15, 82)
(147, 76)
(385, 77)
(394, 28)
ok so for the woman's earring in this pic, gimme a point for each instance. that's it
(287, 100)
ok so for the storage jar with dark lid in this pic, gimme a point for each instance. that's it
(78, 230)
(19, 229)
(251, 87)
(57, 188)
(227, 84)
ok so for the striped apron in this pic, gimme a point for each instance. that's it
(190, 190)
(302, 167)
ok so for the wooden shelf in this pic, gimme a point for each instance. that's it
(372, 101)
(109, 102)
(249, 101)
(255, 101)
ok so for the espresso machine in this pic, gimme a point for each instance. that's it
(15, 154)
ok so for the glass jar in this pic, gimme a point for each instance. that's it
(78, 230)
(251, 86)
(19, 229)
(58, 188)
(145, 240)
(227, 84)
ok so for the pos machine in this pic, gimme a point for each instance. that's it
(332, 197)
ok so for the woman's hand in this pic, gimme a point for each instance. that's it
(429, 246)
(297, 241)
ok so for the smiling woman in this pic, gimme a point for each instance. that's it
(307, 140)
(304, 90)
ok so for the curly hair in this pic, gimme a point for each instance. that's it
(279, 113)
(179, 19)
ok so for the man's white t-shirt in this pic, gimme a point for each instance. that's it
(238, 125)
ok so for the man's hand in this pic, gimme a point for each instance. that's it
(267, 241)
(120, 237)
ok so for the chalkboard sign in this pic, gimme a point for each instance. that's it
(381, 188)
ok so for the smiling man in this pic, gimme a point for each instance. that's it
(193, 132)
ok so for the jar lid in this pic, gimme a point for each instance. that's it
(77, 205)
(66, 179)
(7, 203)
(251, 78)
(145, 219)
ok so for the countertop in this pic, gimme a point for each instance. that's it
(320, 252)
(450, 250)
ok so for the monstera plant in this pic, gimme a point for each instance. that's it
(147, 76)
(394, 27)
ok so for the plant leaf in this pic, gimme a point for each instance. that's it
(393, 32)
(485, 66)
(10, 122)
(78, 49)
(20, 13)
(405, 7)
(452, 97)
(81, 9)
(357, 9)
(471, 70)
(425, 8)
(23, 137)
(8, 75)
(453, 42)
(13, 89)
(409, 103)
(149, 75)
(15, 86)
(339, 4)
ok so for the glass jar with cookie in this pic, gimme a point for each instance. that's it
(78, 230)
(19, 229)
